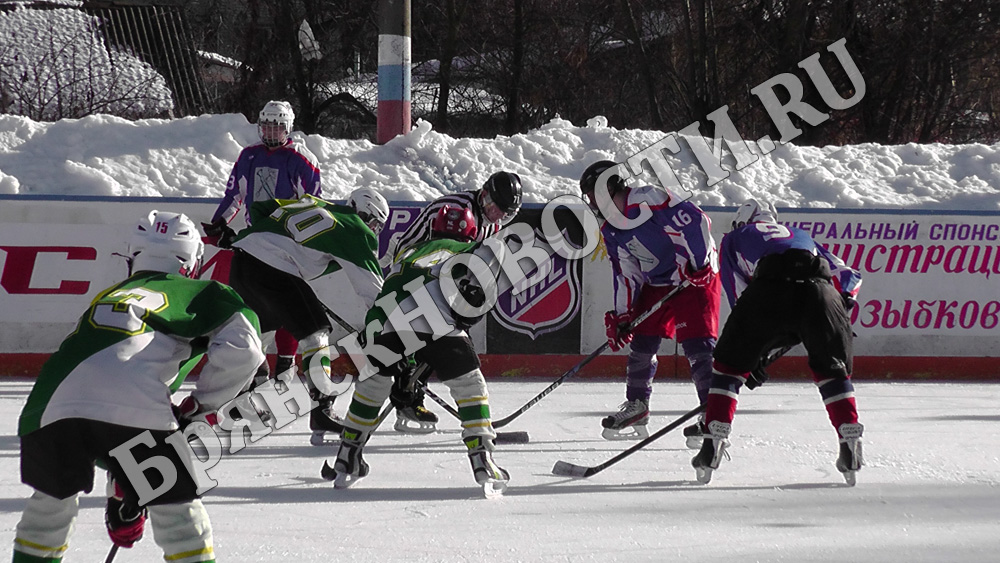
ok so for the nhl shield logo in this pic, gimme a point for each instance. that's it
(545, 307)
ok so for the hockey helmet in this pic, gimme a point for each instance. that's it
(371, 207)
(503, 189)
(166, 242)
(753, 211)
(588, 181)
(454, 222)
(274, 124)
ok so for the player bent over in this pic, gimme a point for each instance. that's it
(413, 282)
(300, 258)
(109, 383)
(648, 261)
(784, 289)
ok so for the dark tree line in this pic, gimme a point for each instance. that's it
(931, 67)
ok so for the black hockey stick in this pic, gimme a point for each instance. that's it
(567, 469)
(509, 437)
(338, 319)
(112, 553)
(600, 350)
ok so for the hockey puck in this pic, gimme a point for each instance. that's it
(512, 437)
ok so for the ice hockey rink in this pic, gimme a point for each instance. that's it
(930, 490)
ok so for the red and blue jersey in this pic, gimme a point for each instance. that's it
(261, 174)
(676, 238)
(743, 248)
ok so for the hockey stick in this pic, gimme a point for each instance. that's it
(112, 553)
(338, 319)
(567, 469)
(508, 437)
(600, 350)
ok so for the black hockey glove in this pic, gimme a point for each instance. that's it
(219, 234)
(475, 296)
(403, 393)
(757, 377)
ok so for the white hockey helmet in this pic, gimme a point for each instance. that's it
(274, 124)
(371, 207)
(166, 242)
(753, 211)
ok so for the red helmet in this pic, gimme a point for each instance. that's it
(454, 222)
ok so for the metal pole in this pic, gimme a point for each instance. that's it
(393, 69)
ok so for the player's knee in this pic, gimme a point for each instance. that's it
(467, 385)
(645, 344)
(183, 531)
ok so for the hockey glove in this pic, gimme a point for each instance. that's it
(701, 278)
(219, 234)
(125, 521)
(190, 410)
(616, 328)
(757, 377)
(849, 301)
(475, 296)
(403, 393)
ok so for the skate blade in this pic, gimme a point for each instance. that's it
(627, 433)
(318, 438)
(703, 474)
(403, 425)
(345, 480)
(494, 488)
(850, 477)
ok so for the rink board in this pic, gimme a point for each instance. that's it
(929, 305)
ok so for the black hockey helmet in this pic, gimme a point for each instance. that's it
(504, 189)
(588, 181)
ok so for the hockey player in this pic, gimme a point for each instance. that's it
(784, 289)
(300, 258)
(648, 261)
(493, 206)
(108, 384)
(275, 168)
(451, 356)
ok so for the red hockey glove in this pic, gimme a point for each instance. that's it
(191, 410)
(701, 278)
(219, 234)
(125, 521)
(616, 327)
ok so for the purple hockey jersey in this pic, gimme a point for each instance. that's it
(287, 172)
(675, 238)
(742, 248)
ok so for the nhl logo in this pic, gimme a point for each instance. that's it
(547, 306)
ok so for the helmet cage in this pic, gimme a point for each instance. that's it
(274, 124)
(371, 206)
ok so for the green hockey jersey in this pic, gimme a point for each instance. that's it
(132, 344)
(419, 266)
(313, 239)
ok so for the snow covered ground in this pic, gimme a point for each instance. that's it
(930, 491)
(192, 157)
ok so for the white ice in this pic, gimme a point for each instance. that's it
(930, 491)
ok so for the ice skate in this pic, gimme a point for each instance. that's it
(629, 423)
(850, 460)
(695, 434)
(713, 448)
(491, 476)
(322, 419)
(350, 466)
(415, 420)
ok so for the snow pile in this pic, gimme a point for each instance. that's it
(192, 157)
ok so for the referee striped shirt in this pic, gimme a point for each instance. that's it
(420, 229)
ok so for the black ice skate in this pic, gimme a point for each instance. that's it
(322, 419)
(850, 460)
(695, 433)
(487, 473)
(629, 423)
(415, 420)
(713, 448)
(349, 467)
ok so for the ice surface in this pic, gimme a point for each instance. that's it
(930, 491)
